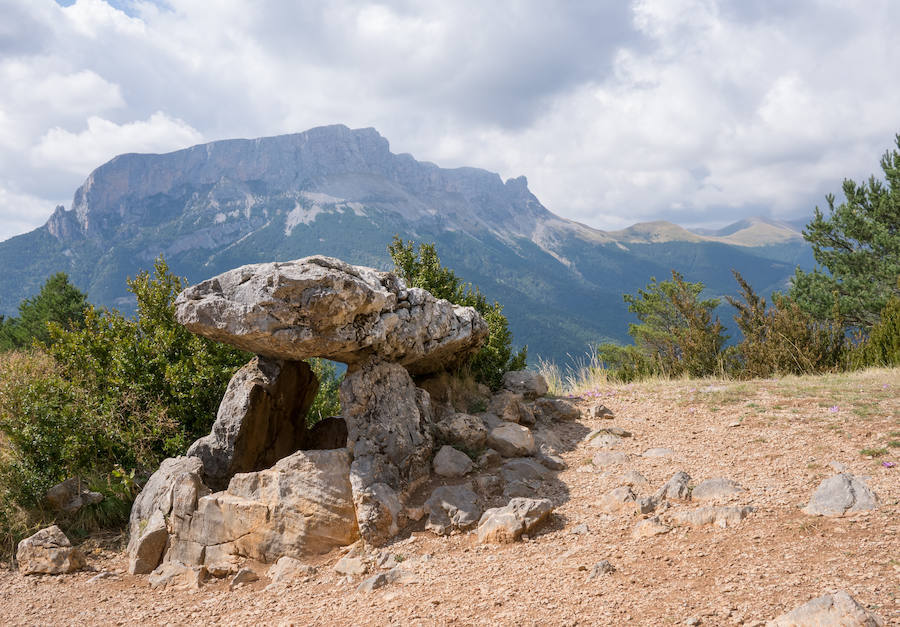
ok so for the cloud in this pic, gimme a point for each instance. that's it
(102, 140)
(689, 110)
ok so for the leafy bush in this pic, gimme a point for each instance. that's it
(423, 269)
(783, 338)
(327, 402)
(676, 334)
(58, 302)
(882, 348)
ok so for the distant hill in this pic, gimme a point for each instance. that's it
(336, 191)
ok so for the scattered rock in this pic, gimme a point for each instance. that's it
(508, 524)
(511, 440)
(602, 439)
(380, 580)
(717, 488)
(48, 552)
(634, 479)
(720, 516)
(510, 407)
(551, 461)
(450, 462)
(609, 458)
(488, 485)
(658, 452)
(177, 575)
(841, 494)
(289, 569)
(71, 495)
(600, 411)
(649, 527)
(489, 458)
(580, 529)
(146, 551)
(452, 507)
(244, 575)
(350, 566)
(646, 504)
(830, 609)
(618, 500)
(464, 430)
(523, 477)
(602, 567)
(677, 487)
(530, 385)
(556, 410)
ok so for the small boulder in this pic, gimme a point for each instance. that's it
(71, 495)
(720, 516)
(350, 566)
(507, 524)
(618, 500)
(840, 495)
(244, 575)
(604, 440)
(48, 552)
(600, 411)
(178, 575)
(511, 408)
(649, 527)
(830, 609)
(529, 384)
(677, 487)
(489, 458)
(464, 430)
(147, 549)
(717, 488)
(609, 458)
(551, 461)
(450, 462)
(634, 479)
(452, 507)
(380, 580)
(603, 567)
(289, 569)
(556, 410)
(511, 440)
(488, 485)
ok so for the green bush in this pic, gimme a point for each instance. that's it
(882, 347)
(58, 302)
(782, 339)
(327, 402)
(423, 269)
(626, 363)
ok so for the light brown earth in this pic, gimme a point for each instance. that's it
(777, 558)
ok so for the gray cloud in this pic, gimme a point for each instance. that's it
(696, 111)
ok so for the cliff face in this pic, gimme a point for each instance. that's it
(342, 193)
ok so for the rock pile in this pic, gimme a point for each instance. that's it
(262, 486)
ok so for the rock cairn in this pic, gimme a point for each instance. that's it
(261, 485)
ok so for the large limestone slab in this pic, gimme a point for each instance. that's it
(324, 307)
(261, 419)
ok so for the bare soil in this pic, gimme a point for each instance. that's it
(775, 437)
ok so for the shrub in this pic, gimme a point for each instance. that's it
(327, 402)
(783, 338)
(423, 269)
(58, 302)
(882, 348)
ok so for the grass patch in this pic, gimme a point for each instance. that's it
(873, 452)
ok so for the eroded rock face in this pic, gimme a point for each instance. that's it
(261, 419)
(324, 307)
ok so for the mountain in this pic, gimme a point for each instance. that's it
(341, 192)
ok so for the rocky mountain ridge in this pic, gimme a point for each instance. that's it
(341, 192)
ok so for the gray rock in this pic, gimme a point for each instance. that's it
(717, 488)
(71, 495)
(510, 407)
(463, 430)
(244, 575)
(609, 458)
(556, 410)
(530, 385)
(452, 507)
(450, 462)
(600, 411)
(580, 529)
(380, 580)
(646, 504)
(840, 495)
(838, 466)
(260, 420)
(287, 569)
(350, 566)
(603, 440)
(720, 516)
(617, 500)
(48, 552)
(551, 461)
(658, 452)
(523, 470)
(508, 524)
(677, 487)
(328, 433)
(178, 576)
(838, 609)
(147, 549)
(488, 485)
(634, 478)
(324, 307)
(489, 458)
(511, 440)
(649, 527)
(603, 567)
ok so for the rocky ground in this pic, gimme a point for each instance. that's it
(776, 438)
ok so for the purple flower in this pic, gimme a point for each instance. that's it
(888, 464)
(834, 409)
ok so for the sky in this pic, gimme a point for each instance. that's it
(700, 112)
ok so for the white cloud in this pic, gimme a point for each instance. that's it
(102, 140)
(690, 110)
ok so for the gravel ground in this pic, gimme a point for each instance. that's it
(775, 437)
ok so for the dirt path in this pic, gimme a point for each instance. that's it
(775, 437)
